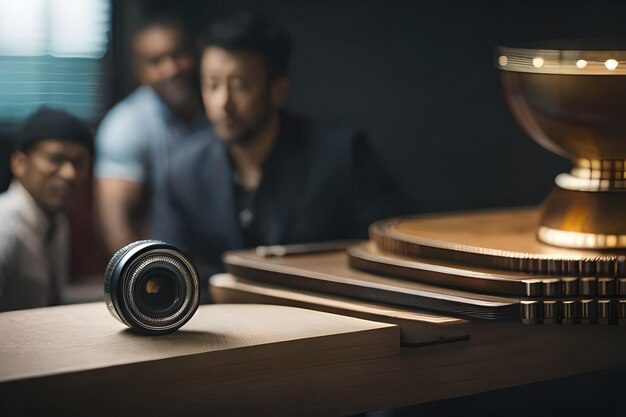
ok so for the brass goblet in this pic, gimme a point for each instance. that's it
(571, 99)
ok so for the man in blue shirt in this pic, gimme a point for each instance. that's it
(139, 133)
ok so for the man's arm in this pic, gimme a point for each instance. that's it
(121, 170)
(118, 201)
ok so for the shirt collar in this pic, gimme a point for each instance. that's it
(159, 105)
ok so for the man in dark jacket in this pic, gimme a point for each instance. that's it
(262, 176)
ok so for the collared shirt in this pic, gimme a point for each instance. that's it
(33, 252)
(138, 135)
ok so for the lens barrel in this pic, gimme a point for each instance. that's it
(151, 287)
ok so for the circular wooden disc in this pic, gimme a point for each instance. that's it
(500, 239)
(367, 257)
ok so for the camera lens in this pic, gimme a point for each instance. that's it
(152, 287)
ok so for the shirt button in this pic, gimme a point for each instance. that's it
(245, 217)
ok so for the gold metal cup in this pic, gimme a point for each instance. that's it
(571, 100)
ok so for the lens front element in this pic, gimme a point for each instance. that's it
(158, 293)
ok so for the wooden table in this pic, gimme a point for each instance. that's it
(270, 360)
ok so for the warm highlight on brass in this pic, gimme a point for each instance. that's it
(570, 100)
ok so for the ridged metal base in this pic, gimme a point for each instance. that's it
(497, 252)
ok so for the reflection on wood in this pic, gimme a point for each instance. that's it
(330, 273)
(417, 327)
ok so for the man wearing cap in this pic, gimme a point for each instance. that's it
(52, 156)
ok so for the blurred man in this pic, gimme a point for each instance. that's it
(139, 133)
(263, 176)
(52, 158)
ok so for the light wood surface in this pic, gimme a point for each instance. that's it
(331, 273)
(80, 358)
(267, 360)
(417, 327)
(367, 257)
(497, 355)
(507, 231)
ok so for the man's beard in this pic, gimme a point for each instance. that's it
(250, 132)
(179, 93)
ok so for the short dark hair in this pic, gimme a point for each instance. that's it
(251, 32)
(50, 123)
(173, 22)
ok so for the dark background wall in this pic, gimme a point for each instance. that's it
(419, 79)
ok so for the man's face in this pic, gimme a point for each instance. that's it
(165, 62)
(238, 98)
(50, 171)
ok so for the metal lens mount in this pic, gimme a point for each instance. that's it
(151, 287)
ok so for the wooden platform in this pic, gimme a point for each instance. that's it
(269, 360)
(492, 355)
(330, 273)
(228, 360)
(368, 257)
(384, 347)
(418, 327)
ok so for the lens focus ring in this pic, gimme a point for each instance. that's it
(144, 266)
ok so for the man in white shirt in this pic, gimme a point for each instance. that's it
(52, 156)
